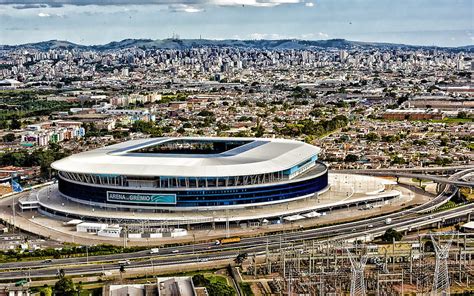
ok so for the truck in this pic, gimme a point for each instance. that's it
(227, 240)
(388, 221)
(154, 251)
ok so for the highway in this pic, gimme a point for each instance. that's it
(209, 251)
(199, 252)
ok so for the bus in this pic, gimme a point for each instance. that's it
(228, 240)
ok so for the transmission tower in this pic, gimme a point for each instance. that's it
(357, 274)
(441, 275)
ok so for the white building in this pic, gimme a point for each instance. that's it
(91, 227)
(111, 231)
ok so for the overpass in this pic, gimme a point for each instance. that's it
(441, 169)
(408, 174)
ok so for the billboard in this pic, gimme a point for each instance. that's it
(152, 198)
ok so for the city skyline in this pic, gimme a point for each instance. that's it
(439, 23)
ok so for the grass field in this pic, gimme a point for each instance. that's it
(216, 278)
(453, 120)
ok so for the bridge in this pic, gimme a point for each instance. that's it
(411, 173)
(442, 169)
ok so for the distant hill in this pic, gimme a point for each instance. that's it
(249, 44)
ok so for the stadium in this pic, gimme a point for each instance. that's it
(192, 174)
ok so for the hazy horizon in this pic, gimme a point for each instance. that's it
(229, 39)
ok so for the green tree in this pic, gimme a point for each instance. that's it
(206, 113)
(147, 127)
(391, 138)
(372, 137)
(259, 130)
(122, 271)
(443, 160)
(240, 258)
(391, 234)
(64, 286)
(220, 289)
(462, 114)
(15, 123)
(398, 160)
(200, 281)
(351, 158)
(9, 137)
(46, 290)
(316, 112)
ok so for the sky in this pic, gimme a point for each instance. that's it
(417, 22)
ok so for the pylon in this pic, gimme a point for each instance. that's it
(441, 275)
(357, 275)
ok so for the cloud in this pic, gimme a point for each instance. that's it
(319, 35)
(186, 5)
(42, 14)
(29, 6)
(256, 3)
(268, 36)
(184, 8)
(323, 35)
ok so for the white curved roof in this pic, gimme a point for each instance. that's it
(258, 156)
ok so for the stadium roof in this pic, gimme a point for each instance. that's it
(253, 156)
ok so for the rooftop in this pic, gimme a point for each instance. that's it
(191, 157)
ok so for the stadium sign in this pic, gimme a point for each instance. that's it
(168, 199)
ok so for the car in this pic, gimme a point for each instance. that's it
(354, 230)
(47, 261)
(370, 226)
(175, 251)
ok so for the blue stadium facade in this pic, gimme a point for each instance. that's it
(193, 173)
